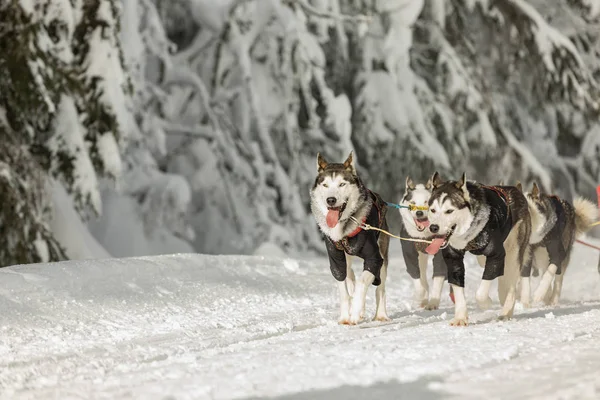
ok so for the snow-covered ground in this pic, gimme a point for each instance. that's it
(222, 327)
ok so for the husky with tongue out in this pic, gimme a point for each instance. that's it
(339, 199)
(415, 224)
(492, 222)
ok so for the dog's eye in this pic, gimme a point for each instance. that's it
(449, 211)
(325, 185)
(342, 184)
(432, 210)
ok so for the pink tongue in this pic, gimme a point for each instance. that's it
(422, 224)
(435, 245)
(333, 216)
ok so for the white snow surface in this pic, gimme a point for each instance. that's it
(189, 326)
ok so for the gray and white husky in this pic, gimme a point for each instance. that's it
(489, 221)
(338, 200)
(556, 224)
(415, 224)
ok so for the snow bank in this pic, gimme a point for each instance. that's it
(233, 327)
(69, 229)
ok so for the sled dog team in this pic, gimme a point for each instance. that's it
(511, 232)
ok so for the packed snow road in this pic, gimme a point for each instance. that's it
(204, 327)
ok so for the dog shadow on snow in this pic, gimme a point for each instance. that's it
(558, 311)
(491, 315)
(419, 389)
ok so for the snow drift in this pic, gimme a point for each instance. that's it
(222, 327)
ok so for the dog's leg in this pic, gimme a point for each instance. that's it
(350, 278)
(460, 307)
(558, 282)
(509, 303)
(513, 262)
(481, 261)
(360, 294)
(483, 294)
(344, 304)
(526, 292)
(503, 288)
(436, 293)
(440, 272)
(421, 284)
(381, 309)
(525, 281)
(544, 286)
(512, 272)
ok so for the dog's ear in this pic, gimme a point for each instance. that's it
(436, 179)
(462, 181)
(349, 163)
(535, 190)
(429, 184)
(410, 185)
(321, 163)
(519, 186)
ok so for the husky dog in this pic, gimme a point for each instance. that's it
(414, 225)
(555, 225)
(339, 199)
(490, 221)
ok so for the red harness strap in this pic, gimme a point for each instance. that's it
(357, 230)
(499, 191)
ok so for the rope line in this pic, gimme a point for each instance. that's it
(368, 227)
(411, 207)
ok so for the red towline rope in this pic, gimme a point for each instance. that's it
(587, 244)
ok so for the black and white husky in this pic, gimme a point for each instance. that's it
(555, 225)
(338, 200)
(415, 224)
(490, 221)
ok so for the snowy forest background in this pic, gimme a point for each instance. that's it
(137, 127)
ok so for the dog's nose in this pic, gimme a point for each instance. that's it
(419, 214)
(434, 228)
(331, 201)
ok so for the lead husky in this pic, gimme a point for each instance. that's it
(414, 225)
(492, 221)
(337, 195)
(555, 225)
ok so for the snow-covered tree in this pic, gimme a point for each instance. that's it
(254, 89)
(230, 101)
(62, 96)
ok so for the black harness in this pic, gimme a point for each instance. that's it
(361, 243)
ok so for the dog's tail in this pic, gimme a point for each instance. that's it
(586, 213)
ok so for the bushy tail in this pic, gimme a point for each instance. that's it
(586, 213)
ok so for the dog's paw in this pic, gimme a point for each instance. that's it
(344, 321)
(362, 314)
(382, 318)
(459, 322)
(355, 319)
(433, 304)
(504, 317)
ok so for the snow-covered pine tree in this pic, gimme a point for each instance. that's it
(61, 90)
(253, 89)
(162, 198)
